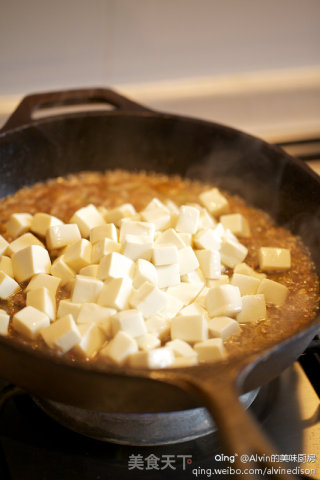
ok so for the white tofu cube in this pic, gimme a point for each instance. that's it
(274, 292)
(181, 348)
(92, 340)
(172, 308)
(188, 220)
(186, 238)
(62, 335)
(224, 300)
(115, 293)
(42, 221)
(18, 224)
(3, 246)
(42, 299)
(170, 237)
(232, 252)
(158, 214)
(222, 280)
(138, 229)
(237, 223)
(181, 362)
(201, 299)
(119, 348)
(93, 313)
(44, 280)
(117, 214)
(103, 247)
(211, 350)
(60, 236)
(148, 341)
(29, 322)
(164, 254)
(129, 321)
(149, 299)
(26, 240)
(247, 285)
(196, 276)
(4, 322)
(172, 206)
(210, 263)
(193, 309)
(158, 358)
(144, 272)
(274, 259)
(108, 230)
(205, 220)
(190, 328)
(89, 271)
(253, 309)
(159, 326)
(86, 289)
(168, 275)
(67, 307)
(244, 269)
(138, 247)
(29, 261)
(115, 265)
(186, 292)
(209, 239)
(6, 265)
(87, 218)
(187, 260)
(78, 254)
(60, 269)
(214, 201)
(223, 327)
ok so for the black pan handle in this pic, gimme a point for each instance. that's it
(31, 103)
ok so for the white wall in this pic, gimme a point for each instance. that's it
(72, 43)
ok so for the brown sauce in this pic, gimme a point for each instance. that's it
(61, 197)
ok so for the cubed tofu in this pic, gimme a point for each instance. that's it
(158, 214)
(87, 218)
(232, 252)
(210, 263)
(170, 237)
(145, 271)
(149, 299)
(119, 348)
(92, 340)
(89, 271)
(209, 239)
(158, 358)
(206, 220)
(247, 285)
(173, 307)
(188, 219)
(168, 275)
(117, 214)
(214, 201)
(78, 254)
(108, 230)
(103, 247)
(29, 261)
(135, 247)
(115, 265)
(62, 335)
(42, 299)
(274, 292)
(164, 254)
(181, 348)
(253, 309)
(4, 322)
(245, 269)
(237, 223)
(42, 221)
(67, 307)
(93, 313)
(190, 328)
(18, 224)
(130, 321)
(148, 341)
(4, 246)
(196, 276)
(187, 260)
(138, 229)
(211, 350)
(6, 265)
(59, 236)
(60, 269)
(158, 325)
(223, 327)
(274, 259)
(222, 280)
(86, 289)
(26, 240)
(44, 280)
(224, 300)
(29, 322)
(115, 293)
(186, 292)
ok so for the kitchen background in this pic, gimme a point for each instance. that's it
(253, 64)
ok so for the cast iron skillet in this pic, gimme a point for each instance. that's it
(133, 137)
